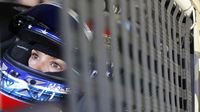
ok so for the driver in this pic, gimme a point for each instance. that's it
(33, 68)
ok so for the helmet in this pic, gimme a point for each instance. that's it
(36, 28)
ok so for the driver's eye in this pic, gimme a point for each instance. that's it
(56, 66)
(34, 56)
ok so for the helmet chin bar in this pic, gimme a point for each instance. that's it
(27, 87)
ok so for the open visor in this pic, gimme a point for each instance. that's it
(27, 86)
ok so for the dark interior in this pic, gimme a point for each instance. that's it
(7, 11)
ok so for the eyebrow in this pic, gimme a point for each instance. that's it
(39, 52)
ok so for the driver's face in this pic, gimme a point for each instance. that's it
(45, 63)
